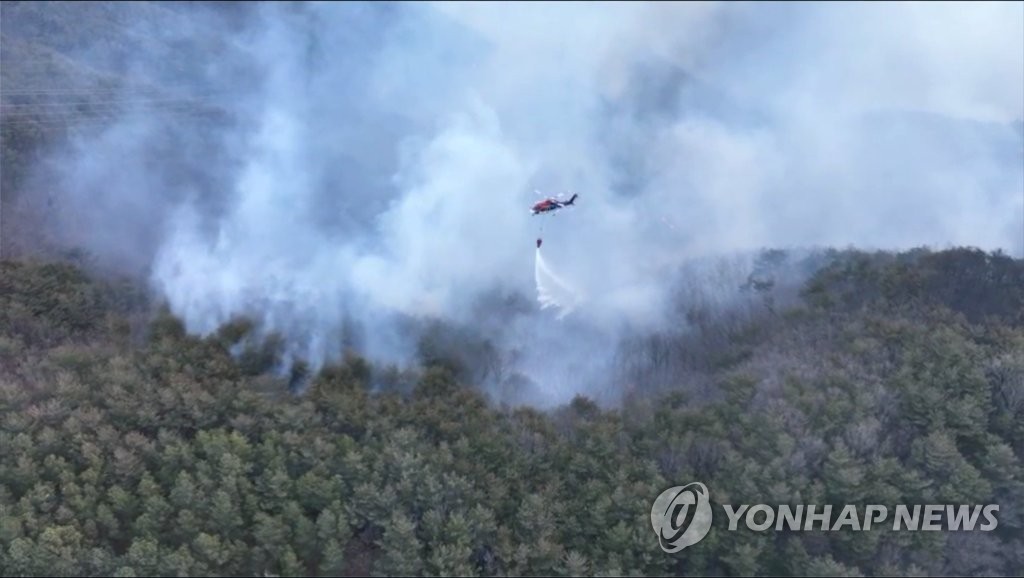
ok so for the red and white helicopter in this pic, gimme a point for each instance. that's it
(549, 205)
(552, 204)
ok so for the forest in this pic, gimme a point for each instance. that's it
(133, 448)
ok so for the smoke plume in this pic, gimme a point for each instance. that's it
(375, 162)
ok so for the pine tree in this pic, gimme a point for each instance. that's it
(401, 550)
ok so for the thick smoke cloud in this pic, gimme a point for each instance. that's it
(381, 158)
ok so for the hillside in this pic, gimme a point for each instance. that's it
(66, 76)
(132, 448)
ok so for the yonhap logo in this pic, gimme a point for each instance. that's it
(681, 516)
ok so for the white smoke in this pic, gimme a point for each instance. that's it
(383, 157)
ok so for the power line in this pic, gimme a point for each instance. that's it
(121, 106)
(71, 120)
(110, 108)
(93, 90)
(31, 91)
(18, 107)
